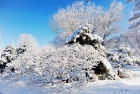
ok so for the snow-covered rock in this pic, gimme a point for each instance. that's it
(124, 73)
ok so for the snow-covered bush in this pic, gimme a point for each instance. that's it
(23, 66)
(122, 56)
(26, 42)
(124, 73)
(9, 54)
(73, 64)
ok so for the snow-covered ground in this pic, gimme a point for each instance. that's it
(123, 86)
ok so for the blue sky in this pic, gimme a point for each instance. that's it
(32, 17)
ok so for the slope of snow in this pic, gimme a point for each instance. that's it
(123, 86)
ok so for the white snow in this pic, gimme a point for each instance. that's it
(108, 65)
(122, 86)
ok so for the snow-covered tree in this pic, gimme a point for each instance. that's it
(136, 14)
(105, 21)
(133, 39)
(130, 37)
(110, 21)
(84, 36)
(27, 41)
